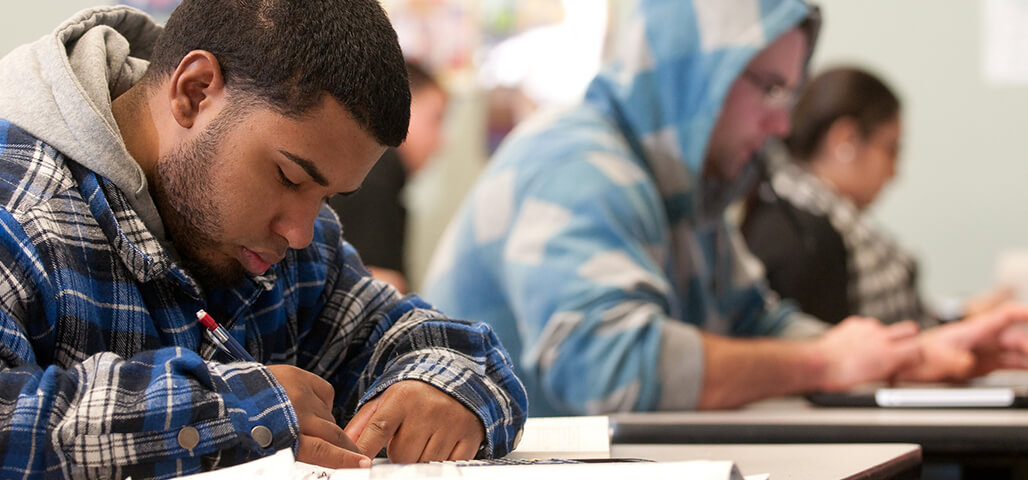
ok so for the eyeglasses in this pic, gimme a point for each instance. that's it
(776, 94)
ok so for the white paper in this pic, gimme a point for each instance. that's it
(564, 437)
(273, 467)
(698, 470)
(543, 438)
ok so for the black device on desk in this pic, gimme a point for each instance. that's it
(994, 391)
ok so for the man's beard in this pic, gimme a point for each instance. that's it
(718, 192)
(185, 197)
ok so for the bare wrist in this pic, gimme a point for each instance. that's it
(814, 365)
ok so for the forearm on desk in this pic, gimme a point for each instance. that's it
(128, 417)
(737, 372)
(464, 360)
(368, 337)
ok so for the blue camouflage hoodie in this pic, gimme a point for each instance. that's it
(591, 243)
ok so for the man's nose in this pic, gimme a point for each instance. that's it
(296, 224)
(779, 122)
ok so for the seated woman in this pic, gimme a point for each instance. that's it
(817, 245)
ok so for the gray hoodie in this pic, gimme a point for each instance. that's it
(59, 89)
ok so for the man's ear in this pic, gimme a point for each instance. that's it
(195, 86)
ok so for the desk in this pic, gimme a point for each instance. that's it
(1001, 432)
(967, 436)
(796, 462)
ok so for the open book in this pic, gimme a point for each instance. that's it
(544, 439)
(281, 466)
(564, 437)
(698, 469)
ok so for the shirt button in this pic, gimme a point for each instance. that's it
(262, 435)
(188, 438)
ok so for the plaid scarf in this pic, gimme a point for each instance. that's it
(882, 275)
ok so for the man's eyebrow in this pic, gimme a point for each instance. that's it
(772, 76)
(778, 79)
(307, 166)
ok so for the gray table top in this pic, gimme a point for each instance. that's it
(795, 461)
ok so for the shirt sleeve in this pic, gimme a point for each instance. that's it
(582, 270)
(368, 336)
(160, 414)
(604, 325)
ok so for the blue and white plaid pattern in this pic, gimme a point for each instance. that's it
(103, 361)
(582, 243)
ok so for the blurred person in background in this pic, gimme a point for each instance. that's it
(818, 246)
(374, 218)
(596, 242)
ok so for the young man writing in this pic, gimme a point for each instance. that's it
(152, 173)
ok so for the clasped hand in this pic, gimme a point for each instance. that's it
(415, 421)
(972, 347)
(863, 350)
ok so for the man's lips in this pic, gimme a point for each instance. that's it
(258, 263)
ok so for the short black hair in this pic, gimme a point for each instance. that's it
(289, 53)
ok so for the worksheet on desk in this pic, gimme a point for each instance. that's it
(282, 466)
(693, 470)
(543, 438)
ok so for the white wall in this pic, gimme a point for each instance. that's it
(23, 22)
(961, 196)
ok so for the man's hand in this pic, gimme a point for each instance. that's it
(861, 350)
(322, 441)
(974, 346)
(419, 423)
(984, 302)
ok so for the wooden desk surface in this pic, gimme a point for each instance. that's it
(796, 461)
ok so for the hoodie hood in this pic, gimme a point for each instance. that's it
(59, 89)
(667, 80)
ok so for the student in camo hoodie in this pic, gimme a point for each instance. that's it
(596, 243)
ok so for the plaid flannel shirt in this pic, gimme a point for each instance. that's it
(103, 364)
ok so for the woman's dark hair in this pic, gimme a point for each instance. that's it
(843, 92)
(289, 53)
